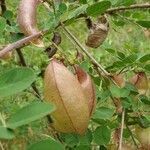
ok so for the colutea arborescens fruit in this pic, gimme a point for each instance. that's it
(27, 19)
(87, 86)
(141, 82)
(64, 90)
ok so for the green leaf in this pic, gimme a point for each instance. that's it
(8, 14)
(109, 50)
(16, 80)
(83, 1)
(98, 8)
(145, 24)
(62, 7)
(86, 139)
(48, 144)
(103, 113)
(147, 67)
(6, 133)
(130, 59)
(145, 58)
(83, 147)
(119, 22)
(102, 135)
(29, 113)
(70, 139)
(77, 11)
(2, 24)
(119, 92)
(144, 99)
(121, 55)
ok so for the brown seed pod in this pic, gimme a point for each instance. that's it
(98, 33)
(27, 19)
(63, 89)
(88, 87)
(141, 82)
(119, 79)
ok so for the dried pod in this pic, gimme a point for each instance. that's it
(27, 19)
(88, 87)
(52, 49)
(63, 89)
(119, 80)
(141, 82)
(98, 33)
(143, 135)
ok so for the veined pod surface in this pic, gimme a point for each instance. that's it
(141, 82)
(98, 33)
(27, 19)
(63, 89)
(87, 86)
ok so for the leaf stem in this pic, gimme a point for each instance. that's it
(124, 8)
(121, 132)
(93, 60)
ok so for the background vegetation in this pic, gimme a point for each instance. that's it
(126, 49)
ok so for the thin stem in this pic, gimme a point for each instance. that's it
(122, 127)
(132, 137)
(20, 43)
(2, 120)
(124, 8)
(93, 60)
(23, 63)
(1, 146)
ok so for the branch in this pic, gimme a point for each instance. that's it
(132, 137)
(124, 8)
(93, 60)
(20, 43)
(23, 63)
(121, 133)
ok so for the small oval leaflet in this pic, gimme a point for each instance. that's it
(15, 81)
(47, 144)
(29, 113)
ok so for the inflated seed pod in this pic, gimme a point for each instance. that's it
(141, 82)
(87, 86)
(64, 90)
(119, 79)
(98, 33)
(27, 19)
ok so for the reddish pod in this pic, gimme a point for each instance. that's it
(62, 88)
(141, 82)
(27, 19)
(87, 86)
